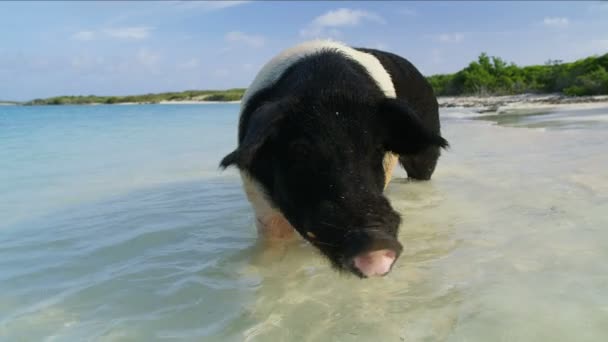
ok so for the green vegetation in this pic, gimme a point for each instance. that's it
(493, 76)
(189, 95)
(486, 76)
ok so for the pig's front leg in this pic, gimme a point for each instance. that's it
(275, 227)
(389, 162)
(270, 222)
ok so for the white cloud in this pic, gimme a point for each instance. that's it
(247, 39)
(598, 6)
(452, 38)
(139, 32)
(556, 21)
(208, 5)
(136, 32)
(343, 17)
(84, 35)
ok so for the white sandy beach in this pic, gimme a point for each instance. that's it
(482, 104)
(189, 102)
(479, 103)
(197, 102)
(523, 101)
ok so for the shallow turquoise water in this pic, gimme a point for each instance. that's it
(116, 225)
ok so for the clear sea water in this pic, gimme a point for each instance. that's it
(116, 225)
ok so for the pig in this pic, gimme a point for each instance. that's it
(321, 128)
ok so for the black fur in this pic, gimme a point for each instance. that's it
(316, 140)
(414, 89)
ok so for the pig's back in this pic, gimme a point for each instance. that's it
(410, 85)
(272, 71)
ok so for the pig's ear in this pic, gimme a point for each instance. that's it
(404, 131)
(262, 124)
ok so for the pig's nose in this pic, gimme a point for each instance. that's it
(375, 263)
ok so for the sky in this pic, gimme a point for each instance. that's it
(120, 48)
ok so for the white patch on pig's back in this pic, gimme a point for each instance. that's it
(274, 69)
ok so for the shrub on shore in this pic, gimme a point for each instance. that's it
(488, 75)
(493, 76)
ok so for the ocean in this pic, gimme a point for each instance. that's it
(117, 225)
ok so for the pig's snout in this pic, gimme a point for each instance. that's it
(375, 263)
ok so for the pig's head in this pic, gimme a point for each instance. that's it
(321, 165)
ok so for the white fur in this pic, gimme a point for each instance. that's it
(269, 221)
(261, 206)
(270, 73)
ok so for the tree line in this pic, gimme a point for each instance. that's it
(189, 95)
(493, 76)
(488, 75)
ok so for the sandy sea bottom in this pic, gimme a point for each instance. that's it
(118, 226)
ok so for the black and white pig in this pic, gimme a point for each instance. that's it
(321, 128)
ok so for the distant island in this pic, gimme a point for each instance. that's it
(488, 76)
(183, 96)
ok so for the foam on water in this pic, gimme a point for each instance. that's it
(507, 242)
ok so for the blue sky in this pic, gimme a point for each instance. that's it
(118, 48)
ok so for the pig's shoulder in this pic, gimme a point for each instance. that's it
(272, 71)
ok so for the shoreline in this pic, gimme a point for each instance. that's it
(498, 104)
(187, 102)
(479, 104)
(197, 102)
